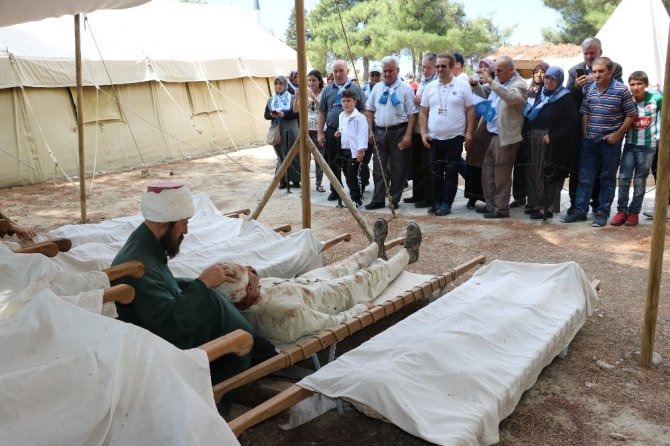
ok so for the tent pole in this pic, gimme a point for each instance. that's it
(304, 129)
(80, 118)
(658, 231)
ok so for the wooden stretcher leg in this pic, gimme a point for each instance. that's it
(325, 339)
(134, 269)
(4, 226)
(123, 294)
(335, 240)
(47, 248)
(282, 228)
(271, 407)
(395, 242)
(238, 342)
(238, 213)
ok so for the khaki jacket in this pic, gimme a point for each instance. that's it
(510, 112)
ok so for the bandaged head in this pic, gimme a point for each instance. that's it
(165, 202)
(236, 290)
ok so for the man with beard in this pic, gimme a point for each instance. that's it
(185, 312)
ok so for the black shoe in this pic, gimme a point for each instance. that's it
(333, 196)
(529, 211)
(471, 204)
(357, 203)
(421, 204)
(409, 200)
(413, 241)
(518, 203)
(282, 185)
(379, 231)
(394, 205)
(432, 210)
(444, 210)
(372, 205)
(483, 210)
(296, 184)
(496, 214)
(538, 215)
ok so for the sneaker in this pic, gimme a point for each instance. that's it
(379, 232)
(599, 220)
(620, 218)
(632, 219)
(571, 218)
(443, 210)
(413, 241)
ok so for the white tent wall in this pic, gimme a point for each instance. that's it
(159, 125)
(636, 36)
(191, 80)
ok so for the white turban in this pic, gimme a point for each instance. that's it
(166, 202)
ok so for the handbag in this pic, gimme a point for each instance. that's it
(274, 136)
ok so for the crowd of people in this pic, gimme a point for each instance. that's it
(522, 138)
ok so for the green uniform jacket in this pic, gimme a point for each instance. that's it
(182, 311)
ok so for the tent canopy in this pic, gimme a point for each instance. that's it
(636, 36)
(170, 41)
(13, 12)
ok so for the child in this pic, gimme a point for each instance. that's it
(638, 152)
(353, 131)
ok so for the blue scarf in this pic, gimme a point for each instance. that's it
(281, 102)
(425, 82)
(383, 99)
(546, 97)
(485, 109)
(340, 90)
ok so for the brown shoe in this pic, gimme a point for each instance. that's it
(413, 241)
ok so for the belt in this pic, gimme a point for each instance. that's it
(392, 127)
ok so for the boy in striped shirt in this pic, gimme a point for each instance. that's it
(638, 152)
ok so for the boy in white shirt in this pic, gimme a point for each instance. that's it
(353, 134)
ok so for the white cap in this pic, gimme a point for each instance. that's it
(166, 202)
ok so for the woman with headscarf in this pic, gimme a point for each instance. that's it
(537, 81)
(279, 110)
(552, 122)
(314, 89)
(480, 141)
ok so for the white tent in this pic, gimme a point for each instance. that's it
(166, 81)
(636, 36)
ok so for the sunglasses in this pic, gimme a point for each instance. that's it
(375, 74)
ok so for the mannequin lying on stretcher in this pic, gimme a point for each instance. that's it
(283, 310)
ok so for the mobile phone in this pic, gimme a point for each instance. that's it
(580, 72)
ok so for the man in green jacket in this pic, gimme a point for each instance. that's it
(185, 312)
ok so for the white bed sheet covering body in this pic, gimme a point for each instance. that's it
(450, 372)
(71, 377)
(211, 238)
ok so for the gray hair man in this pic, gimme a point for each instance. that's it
(420, 174)
(330, 108)
(392, 111)
(504, 121)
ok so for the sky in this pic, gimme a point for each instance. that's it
(527, 17)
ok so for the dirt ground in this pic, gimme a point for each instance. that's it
(574, 402)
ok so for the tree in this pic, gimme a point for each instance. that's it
(581, 19)
(291, 35)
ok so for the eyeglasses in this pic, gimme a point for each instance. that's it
(441, 66)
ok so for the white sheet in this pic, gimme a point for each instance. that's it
(453, 370)
(24, 275)
(212, 238)
(71, 377)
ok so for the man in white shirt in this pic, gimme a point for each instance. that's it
(446, 120)
(391, 109)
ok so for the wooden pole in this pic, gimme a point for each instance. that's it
(80, 118)
(658, 231)
(338, 188)
(302, 103)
